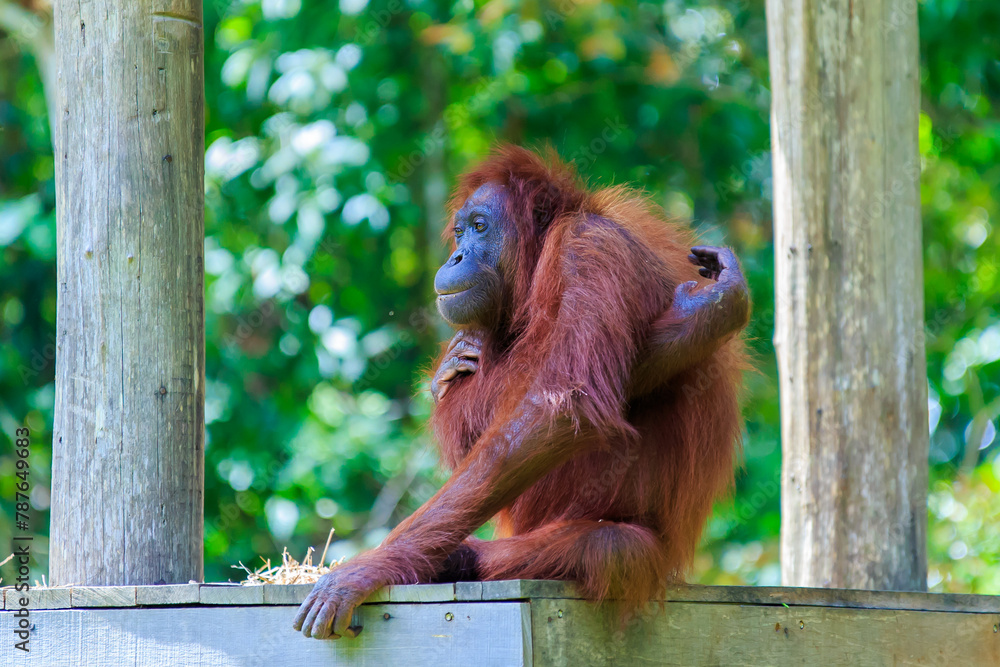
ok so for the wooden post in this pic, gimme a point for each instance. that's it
(849, 330)
(128, 450)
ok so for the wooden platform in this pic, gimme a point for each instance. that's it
(504, 623)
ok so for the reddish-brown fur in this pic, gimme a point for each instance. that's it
(602, 420)
(623, 510)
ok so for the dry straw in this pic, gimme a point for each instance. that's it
(290, 571)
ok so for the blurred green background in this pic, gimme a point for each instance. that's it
(334, 132)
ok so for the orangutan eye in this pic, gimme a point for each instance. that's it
(458, 232)
(479, 224)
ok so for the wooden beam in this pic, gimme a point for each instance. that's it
(495, 591)
(571, 632)
(436, 625)
(849, 292)
(484, 635)
(128, 438)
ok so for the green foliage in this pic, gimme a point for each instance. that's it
(964, 551)
(334, 133)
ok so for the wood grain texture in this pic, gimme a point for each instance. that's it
(574, 632)
(167, 594)
(435, 634)
(43, 598)
(128, 438)
(296, 593)
(422, 593)
(102, 596)
(718, 625)
(286, 593)
(836, 597)
(469, 590)
(849, 293)
(231, 595)
(521, 589)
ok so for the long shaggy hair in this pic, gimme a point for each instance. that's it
(586, 275)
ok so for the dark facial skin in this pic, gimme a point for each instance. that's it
(468, 284)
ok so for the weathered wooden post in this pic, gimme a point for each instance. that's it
(128, 450)
(849, 331)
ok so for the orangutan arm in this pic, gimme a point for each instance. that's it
(697, 323)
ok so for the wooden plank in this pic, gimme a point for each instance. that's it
(836, 597)
(527, 635)
(294, 594)
(230, 594)
(520, 589)
(102, 596)
(286, 593)
(436, 634)
(422, 593)
(381, 595)
(469, 590)
(575, 632)
(167, 594)
(38, 598)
